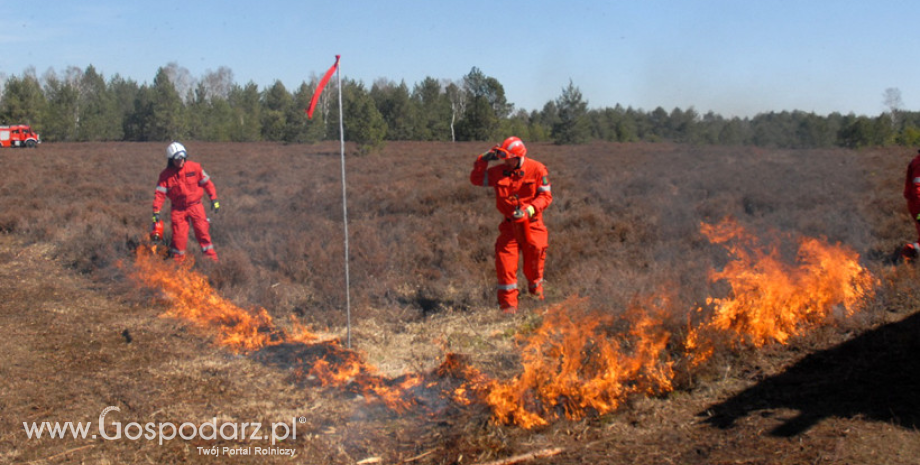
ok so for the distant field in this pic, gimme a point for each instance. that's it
(626, 217)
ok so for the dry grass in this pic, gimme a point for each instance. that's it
(625, 223)
(625, 219)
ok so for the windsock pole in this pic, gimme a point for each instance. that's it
(338, 77)
(309, 111)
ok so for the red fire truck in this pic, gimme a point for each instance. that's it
(19, 135)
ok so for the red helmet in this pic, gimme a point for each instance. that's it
(514, 147)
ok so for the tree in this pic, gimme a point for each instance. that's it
(299, 128)
(521, 125)
(167, 110)
(813, 131)
(99, 118)
(246, 105)
(23, 100)
(732, 133)
(276, 103)
(363, 123)
(210, 115)
(123, 92)
(486, 106)
(683, 125)
(479, 121)
(659, 125)
(477, 84)
(458, 101)
(434, 110)
(892, 99)
(909, 136)
(627, 126)
(62, 115)
(182, 80)
(711, 125)
(138, 125)
(397, 108)
(547, 117)
(573, 125)
(217, 84)
(863, 131)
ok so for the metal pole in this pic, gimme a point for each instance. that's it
(338, 75)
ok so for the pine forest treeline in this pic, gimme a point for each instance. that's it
(82, 105)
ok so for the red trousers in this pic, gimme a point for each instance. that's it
(180, 219)
(914, 209)
(514, 240)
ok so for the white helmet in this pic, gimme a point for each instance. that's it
(175, 150)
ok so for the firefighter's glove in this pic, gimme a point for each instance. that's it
(156, 217)
(215, 205)
(918, 217)
(489, 156)
(522, 212)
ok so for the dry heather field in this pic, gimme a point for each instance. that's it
(705, 305)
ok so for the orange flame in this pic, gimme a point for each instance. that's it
(193, 299)
(341, 367)
(574, 364)
(771, 301)
(571, 363)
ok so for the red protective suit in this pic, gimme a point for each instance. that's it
(912, 191)
(528, 185)
(185, 187)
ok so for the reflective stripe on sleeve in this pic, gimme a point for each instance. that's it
(161, 189)
(544, 188)
(916, 180)
(204, 178)
(485, 180)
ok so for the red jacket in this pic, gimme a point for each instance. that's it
(184, 186)
(527, 185)
(912, 182)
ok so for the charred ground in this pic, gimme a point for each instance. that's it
(80, 336)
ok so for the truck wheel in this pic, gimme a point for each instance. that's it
(30, 144)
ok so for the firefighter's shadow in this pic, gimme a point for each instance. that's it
(873, 376)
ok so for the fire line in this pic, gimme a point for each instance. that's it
(572, 365)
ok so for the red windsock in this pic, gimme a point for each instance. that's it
(320, 86)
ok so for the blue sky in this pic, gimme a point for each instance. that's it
(736, 58)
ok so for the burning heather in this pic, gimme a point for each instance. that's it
(577, 362)
(194, 300)
(328, 362)
(771, 301)
(571, 363)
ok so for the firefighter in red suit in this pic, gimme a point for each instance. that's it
(185, 183)
(912, 194)
(522, 192)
